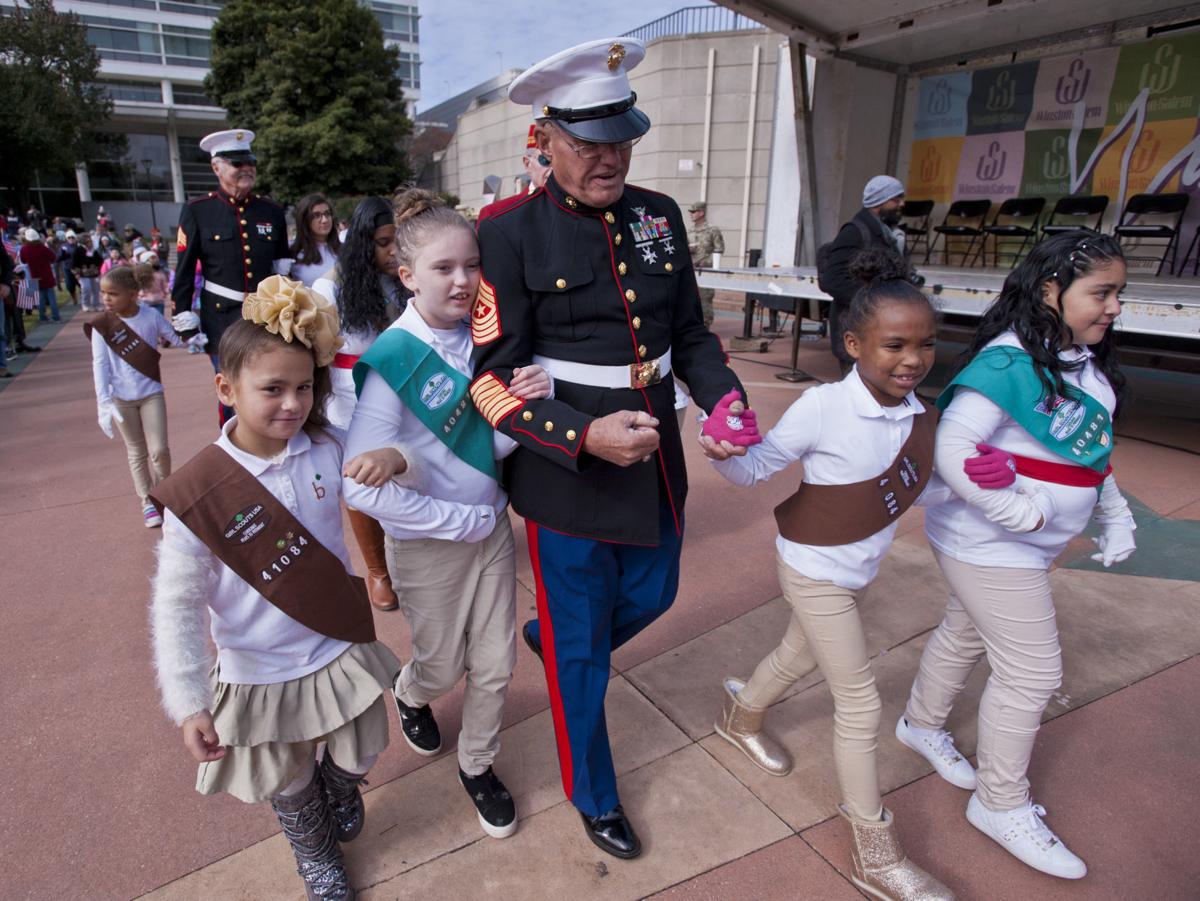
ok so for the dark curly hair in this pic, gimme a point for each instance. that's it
(884, 278)
(362, 304)
(1040, 326)
(304, 249)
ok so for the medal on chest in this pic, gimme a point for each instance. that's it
(652, 234)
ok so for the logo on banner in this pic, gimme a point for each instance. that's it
(1072, 87)
(991, 164)
(931, 166)
(939, 98)
(1002, 93)
(1144, 153)
(1161, 74)
(1055, 165)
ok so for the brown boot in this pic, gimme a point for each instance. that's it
(742, 727)
(882, 869)
(369, 535)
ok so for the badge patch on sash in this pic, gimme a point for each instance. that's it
(265, 229)
(247, 524)
(436, 391)
(910, 474)
(485, 315)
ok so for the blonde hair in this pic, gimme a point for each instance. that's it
(420, 216)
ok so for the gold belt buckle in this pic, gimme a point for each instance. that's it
(643, 375)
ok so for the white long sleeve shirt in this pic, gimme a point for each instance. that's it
(257, 643)
(309, 273)
(842, 435)
(116, 378)
(450, 499)
(1000, 527)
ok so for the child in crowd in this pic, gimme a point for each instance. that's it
(368, 296)
(297, 662)
(866, 444)
(115, 258)
(154, 279)
(125, 367)
(86, 261)
(1037, 395)
(450, 544)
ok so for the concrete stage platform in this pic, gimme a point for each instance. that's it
(97, 791)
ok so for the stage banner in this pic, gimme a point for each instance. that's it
(990, 166)
(1169, 68)
(1001, 98)
(942, 106)
(1064, 81)
(1112, 121)
(932, 169)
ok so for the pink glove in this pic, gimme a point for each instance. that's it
(993, 468)
(739, 430)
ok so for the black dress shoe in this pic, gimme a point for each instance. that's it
(613, 833)
(530, 642)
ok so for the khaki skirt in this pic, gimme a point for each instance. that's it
(271, 732)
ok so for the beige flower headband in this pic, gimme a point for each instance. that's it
(293, 312)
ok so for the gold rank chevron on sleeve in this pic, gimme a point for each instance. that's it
(485, 315)
(492, 399)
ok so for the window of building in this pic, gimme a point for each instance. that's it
(198, 178)
(126, 177)
(191, 95)
(118, 39)
(138, 91)
(409, 69)
(187, 46)
(399, 21)
(192, 7)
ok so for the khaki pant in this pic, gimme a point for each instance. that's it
(1007, 614)
(825, 630)
(706, 305)
(460, 601)
(144, 431)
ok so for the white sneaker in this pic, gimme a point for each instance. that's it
(1022, 834)
(938, 748)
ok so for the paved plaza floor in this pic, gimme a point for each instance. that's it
(98, 789)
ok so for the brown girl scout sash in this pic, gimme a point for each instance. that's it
(826, 515)
(126, 344)
(258, 538)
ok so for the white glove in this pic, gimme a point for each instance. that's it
(185, 321)
(106, 412)
(1116, 544)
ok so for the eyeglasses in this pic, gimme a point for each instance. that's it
(242, 164)
(320, 214)
(589, 150)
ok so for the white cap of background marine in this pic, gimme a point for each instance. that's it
(232, 144)
(586, 91)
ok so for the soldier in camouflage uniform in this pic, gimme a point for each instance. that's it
(705, 240)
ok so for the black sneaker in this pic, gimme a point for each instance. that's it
(419, 727)
(497, 813)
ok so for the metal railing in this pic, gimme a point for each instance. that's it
(693, 20)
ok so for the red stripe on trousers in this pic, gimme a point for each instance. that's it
(561, 738)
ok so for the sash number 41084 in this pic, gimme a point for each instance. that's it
(284, 560)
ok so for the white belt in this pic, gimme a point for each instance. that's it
(629, 375)
(222, 291)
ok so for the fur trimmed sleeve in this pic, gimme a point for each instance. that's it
(179, 625)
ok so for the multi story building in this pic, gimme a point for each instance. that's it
(154, 55)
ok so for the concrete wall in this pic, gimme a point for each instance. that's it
(670, 84)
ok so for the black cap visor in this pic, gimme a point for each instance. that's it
(625, 126)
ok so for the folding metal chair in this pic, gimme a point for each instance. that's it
(1194, 245)
(915, 219)
(970, 216)
(1078, 210)
(1021, 215)
(1171, 206)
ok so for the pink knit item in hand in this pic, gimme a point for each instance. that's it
(739, 430)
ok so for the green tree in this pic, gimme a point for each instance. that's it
(317, 85)
(48, 93)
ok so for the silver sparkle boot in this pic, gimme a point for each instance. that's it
(882, 869)
(344, 798)
(310, 830)
(742, 727)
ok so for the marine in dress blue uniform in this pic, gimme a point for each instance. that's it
(605, 299)
(238, 241)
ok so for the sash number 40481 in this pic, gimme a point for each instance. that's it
(284, 560)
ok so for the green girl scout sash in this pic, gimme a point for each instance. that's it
(1076, 428)
(433, 391)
